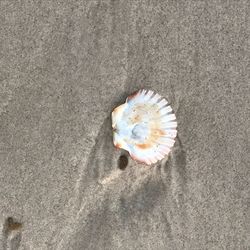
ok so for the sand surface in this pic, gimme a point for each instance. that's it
(64, 65)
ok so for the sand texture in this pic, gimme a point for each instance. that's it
(64, 65)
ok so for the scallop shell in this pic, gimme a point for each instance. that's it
(145, 126)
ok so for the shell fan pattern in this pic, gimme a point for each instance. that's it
(145, 126)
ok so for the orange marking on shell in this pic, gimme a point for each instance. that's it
(132, 95)
(160, 132)
(137, 119)
(118, 145)
(143, 146)
(151, 140)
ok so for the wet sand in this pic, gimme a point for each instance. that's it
(65, 66)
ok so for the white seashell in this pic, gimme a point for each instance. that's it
(145, 126)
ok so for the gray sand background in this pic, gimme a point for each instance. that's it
(64, 65)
